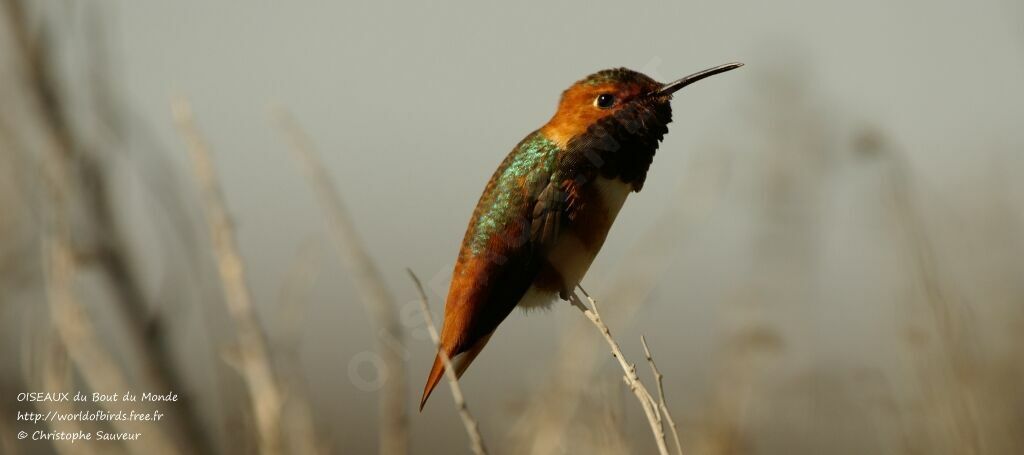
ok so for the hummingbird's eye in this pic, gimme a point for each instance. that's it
(604, 100)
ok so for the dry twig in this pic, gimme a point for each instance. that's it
(460, 402)
(632, 380)
(255, 362)
(661, 396)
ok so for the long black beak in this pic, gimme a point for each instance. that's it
(671, 87)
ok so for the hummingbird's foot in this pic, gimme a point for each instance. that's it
(575, 300)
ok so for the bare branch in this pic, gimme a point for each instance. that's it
(460, 402)
(661, 396)
(632, 380)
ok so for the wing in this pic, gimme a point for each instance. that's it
(549, 211)
(524, 207)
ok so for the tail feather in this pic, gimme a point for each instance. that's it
(460, 362)
(432, 379)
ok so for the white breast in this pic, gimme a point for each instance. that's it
(569, 255)
(613, 193)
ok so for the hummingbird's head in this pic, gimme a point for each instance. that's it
(596, 97)
(620, 115)
(607, 93)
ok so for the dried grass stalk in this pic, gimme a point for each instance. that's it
(254, 360)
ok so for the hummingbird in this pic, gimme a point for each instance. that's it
(547, 209)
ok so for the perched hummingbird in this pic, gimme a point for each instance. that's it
(547, 209)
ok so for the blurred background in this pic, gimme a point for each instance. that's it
(826, 257)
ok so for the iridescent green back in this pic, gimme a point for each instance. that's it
(508, 198)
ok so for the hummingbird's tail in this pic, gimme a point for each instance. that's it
(460, 362)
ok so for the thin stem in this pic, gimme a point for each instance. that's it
(661, 396)
(632, 380)
(477, 442)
